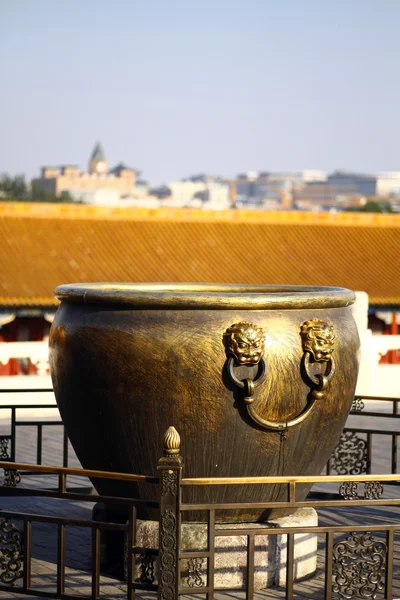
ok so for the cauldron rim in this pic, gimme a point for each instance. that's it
(212, 296)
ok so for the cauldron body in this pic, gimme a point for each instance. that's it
(130, 360)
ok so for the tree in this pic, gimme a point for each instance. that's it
(13, 188)
(38, 194)
(374, 206)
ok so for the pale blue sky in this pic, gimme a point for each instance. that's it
(176, 87)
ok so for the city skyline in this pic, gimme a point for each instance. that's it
(178, 89)
(120, 185)
(248, 174)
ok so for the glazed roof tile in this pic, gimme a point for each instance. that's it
(44, 245)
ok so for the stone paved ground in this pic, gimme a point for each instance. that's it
(78, 555)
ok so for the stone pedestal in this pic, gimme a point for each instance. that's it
(231, 552)
(305, 546)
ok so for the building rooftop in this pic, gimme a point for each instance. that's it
(45, 245)
(343, 173)
(122, 167)
(98, 153)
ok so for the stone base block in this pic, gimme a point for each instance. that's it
(305, 546)
(231, 552)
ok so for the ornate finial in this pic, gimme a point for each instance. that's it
(171, 441)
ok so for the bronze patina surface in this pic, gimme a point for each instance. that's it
(258, 380)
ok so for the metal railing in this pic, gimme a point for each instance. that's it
(8, 441)
(354, 453)
(360, 560)
(352, 456)
(377, 572)
(359, 405)
(164, 569)
(16, 530)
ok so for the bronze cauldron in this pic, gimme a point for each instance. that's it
(258, 380)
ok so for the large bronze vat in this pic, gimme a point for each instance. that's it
(258, 380)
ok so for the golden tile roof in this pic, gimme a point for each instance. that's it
(44, 245)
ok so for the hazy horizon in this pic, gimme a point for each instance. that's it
(179, 88)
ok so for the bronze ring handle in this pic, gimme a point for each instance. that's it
(280, 425)
(245, 343)
(320, 381)
(249, 385)
(316, 379)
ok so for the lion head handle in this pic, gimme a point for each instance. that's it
(246, 342)
(318, 337)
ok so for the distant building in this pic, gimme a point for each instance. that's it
(100, 197)
(183, 192)
(141, 188)
(251, 192)
(313, 175)
(347, 183)
(346, 189)
(317, 195)
(270, 190)
(215, 196)
(382, 185)
(98, 185)
(161, 192)
(199, 191)
(205, 178)
(388, 184)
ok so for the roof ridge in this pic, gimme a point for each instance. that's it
(55, 211)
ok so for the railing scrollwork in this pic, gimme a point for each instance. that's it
(12, 478)
(359, 564)
(350, 455)
(11, 552)
(4, 448)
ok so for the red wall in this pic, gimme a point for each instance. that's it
(30, 329)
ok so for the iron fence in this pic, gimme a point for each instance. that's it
(353, 559)
(362, 564)
(358, 406)
(8, 441)
(353, 454)
(16, 530)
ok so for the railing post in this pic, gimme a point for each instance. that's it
(170, 470)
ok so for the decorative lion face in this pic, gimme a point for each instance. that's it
(318, 338)
(246, 342)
